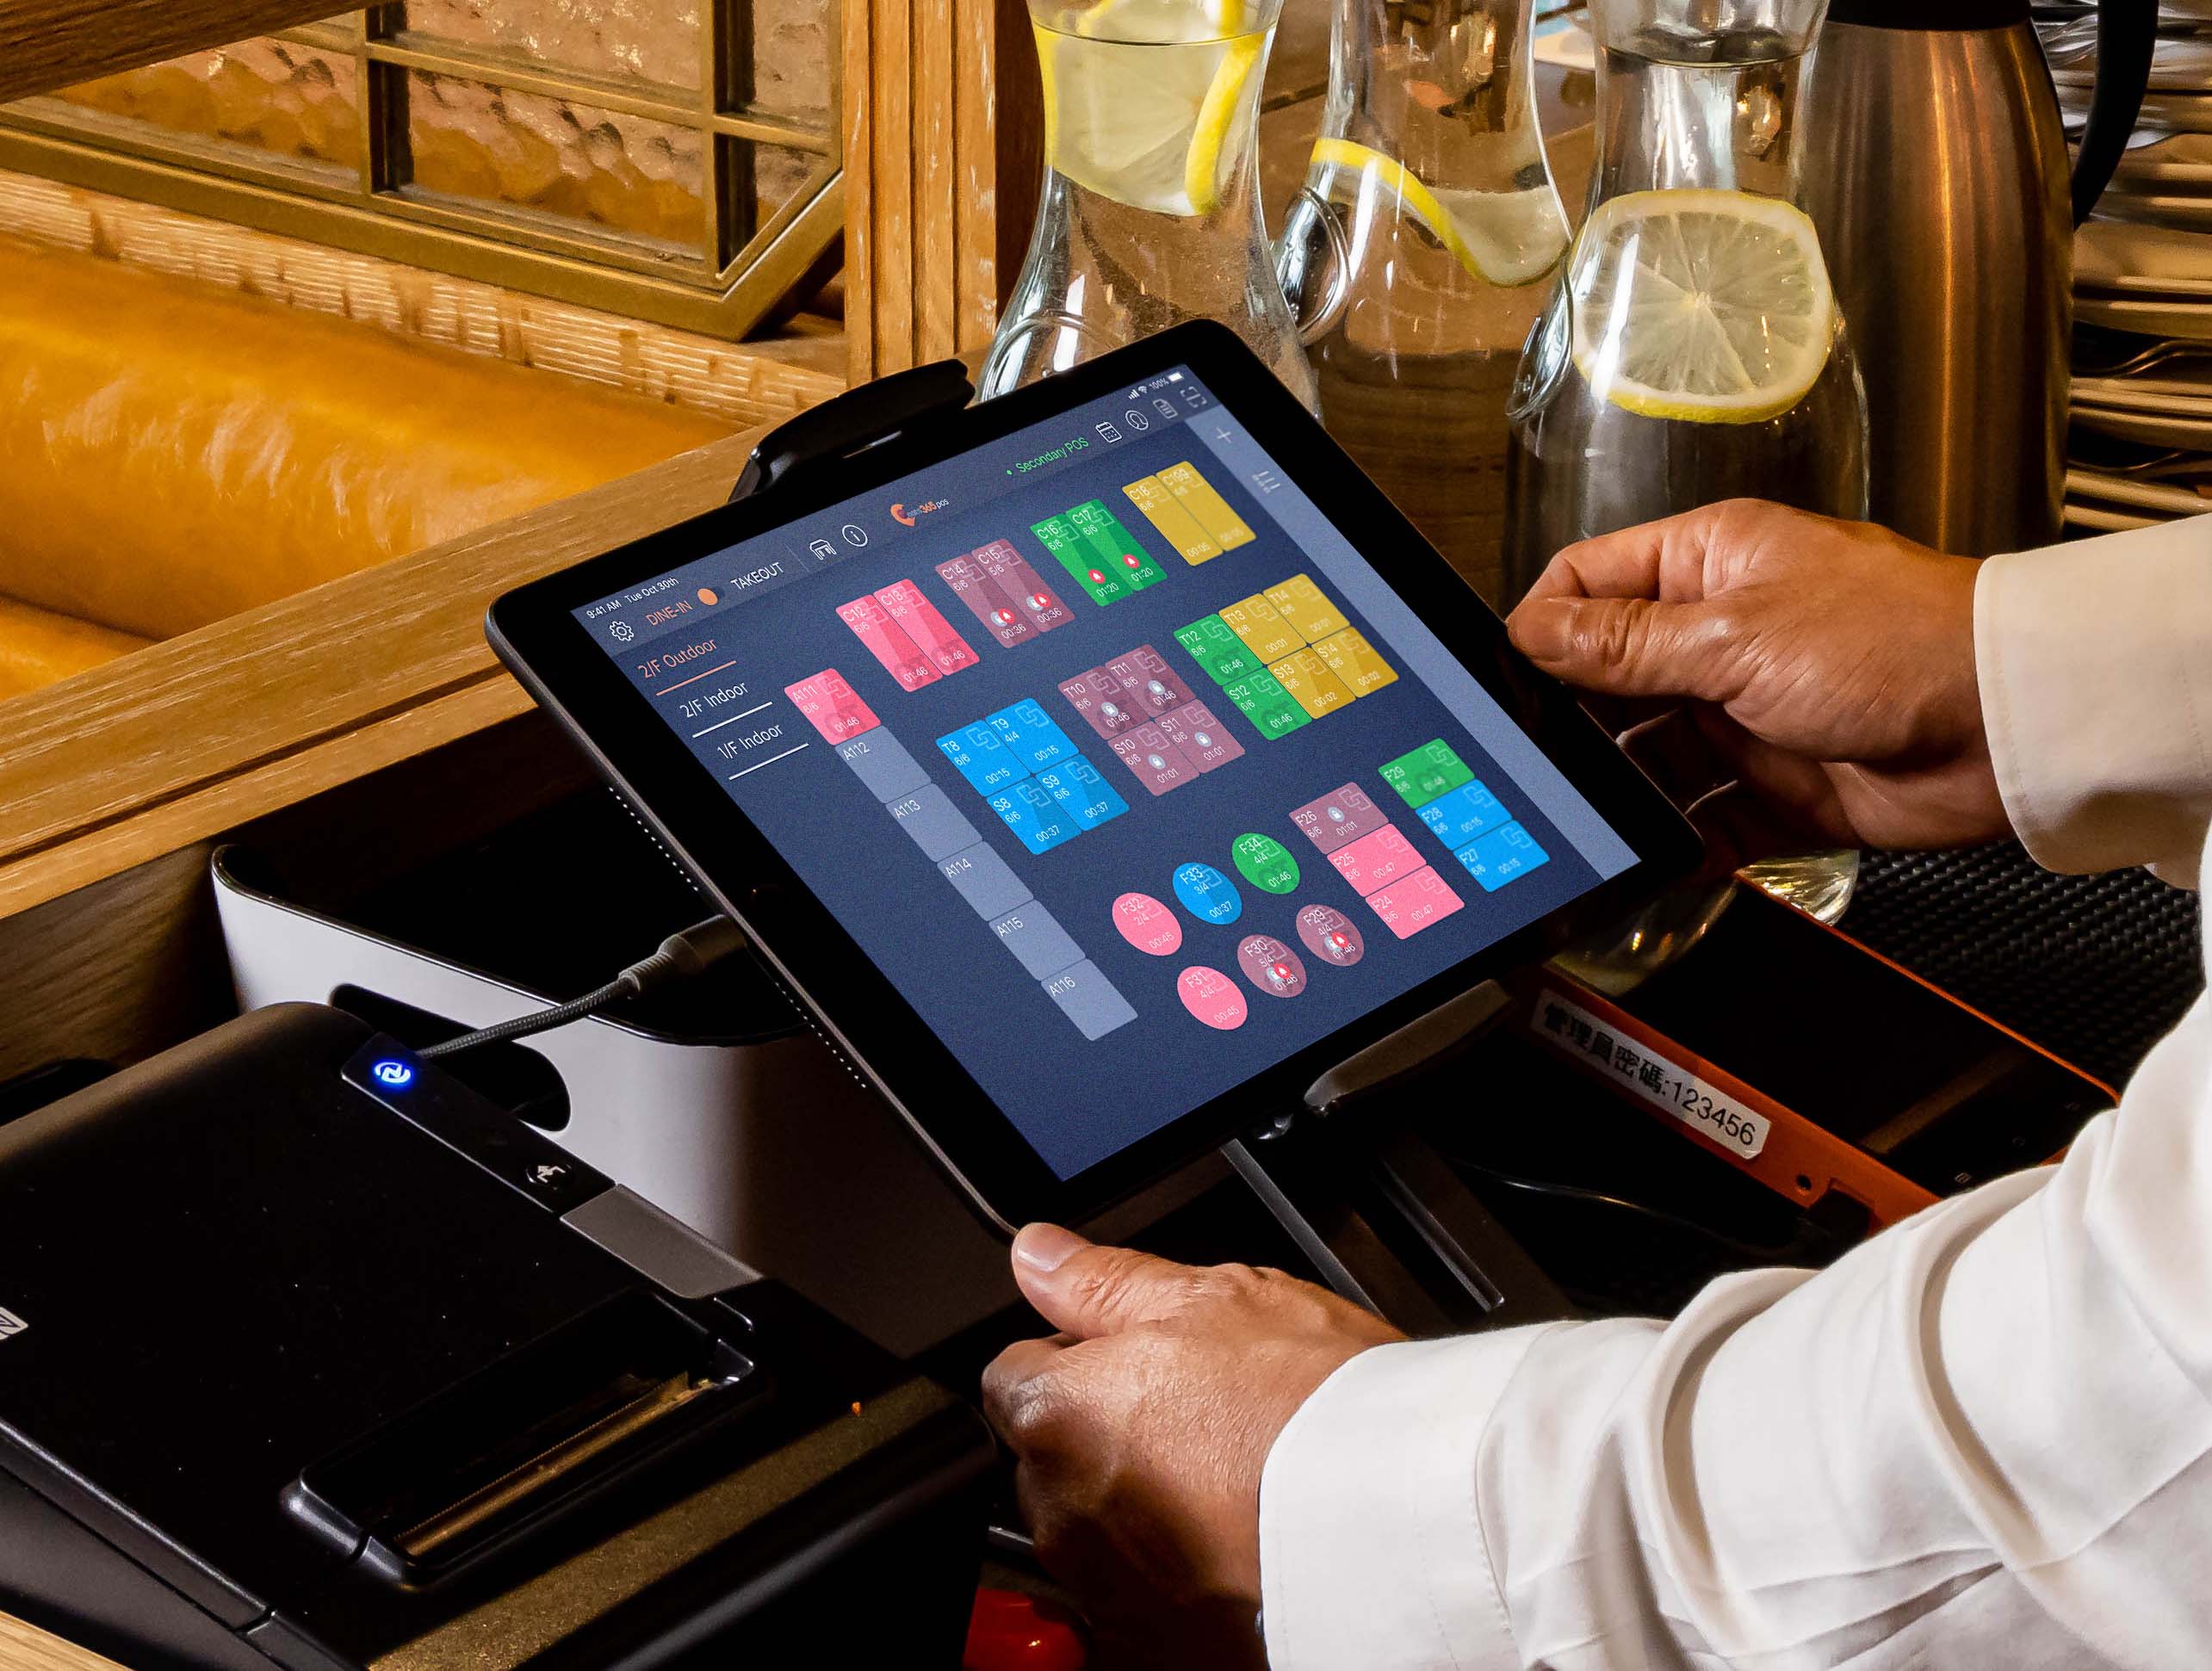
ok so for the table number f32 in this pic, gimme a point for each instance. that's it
(1644, 1072)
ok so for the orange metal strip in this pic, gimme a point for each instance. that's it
(1800, 1160)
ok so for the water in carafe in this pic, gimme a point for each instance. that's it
(1150, 213)
(1692, 349)
(1427, 230)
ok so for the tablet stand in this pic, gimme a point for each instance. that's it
(845, 425)
(1382, 1215)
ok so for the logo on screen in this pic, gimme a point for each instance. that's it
(905, 515)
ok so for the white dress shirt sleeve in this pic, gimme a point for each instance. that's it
(1981, 1440)
(2095, 662)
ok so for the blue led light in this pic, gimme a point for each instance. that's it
(392, 1073)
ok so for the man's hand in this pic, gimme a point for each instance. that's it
(1830, 666)
(1141, 1431)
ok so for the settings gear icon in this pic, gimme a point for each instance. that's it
(623, 631)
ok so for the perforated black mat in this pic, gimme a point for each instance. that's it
(2094, 968)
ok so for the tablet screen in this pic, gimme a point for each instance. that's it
(1114, 755)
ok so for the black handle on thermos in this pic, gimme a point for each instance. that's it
(2126, 32)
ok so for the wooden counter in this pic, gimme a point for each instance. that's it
(26, 1648)
(114, 785)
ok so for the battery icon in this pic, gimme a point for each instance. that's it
(1174, 376)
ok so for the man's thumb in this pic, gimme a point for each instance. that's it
(1626, 646)
(1084, 1289)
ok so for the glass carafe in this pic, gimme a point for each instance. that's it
(1150, 210)
(1428, 185)
(1692, 349)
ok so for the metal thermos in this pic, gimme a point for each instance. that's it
(1941, 195)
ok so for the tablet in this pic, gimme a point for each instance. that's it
(1097, 767)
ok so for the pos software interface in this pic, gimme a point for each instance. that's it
(1095, 770)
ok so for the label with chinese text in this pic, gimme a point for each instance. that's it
(1645, 1073)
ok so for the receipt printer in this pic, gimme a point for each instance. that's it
(309, 1357)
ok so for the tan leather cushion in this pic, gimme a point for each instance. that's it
(171, 453)
(38, 647)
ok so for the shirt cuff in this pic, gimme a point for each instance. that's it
(2095, 664)
(1372, 1552)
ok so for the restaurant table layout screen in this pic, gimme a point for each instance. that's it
(1116, 756)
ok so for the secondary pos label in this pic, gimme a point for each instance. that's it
(1646, 1074)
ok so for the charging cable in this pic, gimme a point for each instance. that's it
(694, 952)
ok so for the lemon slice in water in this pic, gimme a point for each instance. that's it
(1704, 306)
(1505, 238)
(1138, 113)
(1212, 153)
